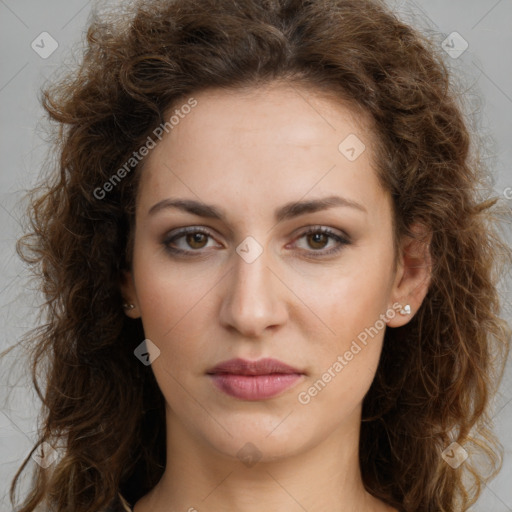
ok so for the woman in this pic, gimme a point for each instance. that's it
(271, 283)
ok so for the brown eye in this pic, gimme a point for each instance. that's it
(318, 240)
(196, 240)
(190, 240)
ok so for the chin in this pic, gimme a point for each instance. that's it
(257, 442)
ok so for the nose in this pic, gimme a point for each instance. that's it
(254, 298)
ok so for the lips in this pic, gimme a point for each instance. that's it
(261, 367)
(254, 380)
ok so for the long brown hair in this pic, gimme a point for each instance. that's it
(436, 373)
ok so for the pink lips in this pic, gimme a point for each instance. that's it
(254, 380)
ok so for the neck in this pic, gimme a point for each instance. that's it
(198, 477)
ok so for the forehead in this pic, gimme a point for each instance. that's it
(272, 144)
(277, 113)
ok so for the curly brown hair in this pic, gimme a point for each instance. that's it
(436, 373)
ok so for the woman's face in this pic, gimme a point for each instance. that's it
(249, 282)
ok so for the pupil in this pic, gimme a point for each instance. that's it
(196, 238)
(317, 237)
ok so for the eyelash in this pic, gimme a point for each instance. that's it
(342, 241)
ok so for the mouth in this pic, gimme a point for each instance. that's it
(264, 366)
(254, 380)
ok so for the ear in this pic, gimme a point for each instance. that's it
(129, 294)
(413, 275)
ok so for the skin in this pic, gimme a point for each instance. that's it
(248, 153)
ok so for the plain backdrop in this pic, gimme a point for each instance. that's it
(478, 37)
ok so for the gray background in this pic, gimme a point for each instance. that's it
(485, 66)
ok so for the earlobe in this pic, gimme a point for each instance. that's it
(414, 275)
(130, 305)
(406, 310)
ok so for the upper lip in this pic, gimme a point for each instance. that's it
(264, 366)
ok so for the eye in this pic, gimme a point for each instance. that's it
(318, 238)
(194, 237)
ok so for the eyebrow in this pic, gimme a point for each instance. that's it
(288, 211)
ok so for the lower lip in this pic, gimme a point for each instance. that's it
(254, 387)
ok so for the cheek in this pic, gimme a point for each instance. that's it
(334, 396)
(350, 300)
(347, 360)
(168, 293)
(348, 352)
(171, 313)
(171, 307)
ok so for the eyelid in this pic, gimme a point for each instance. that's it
(338, 236)
(314, 228)
(178, 233)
